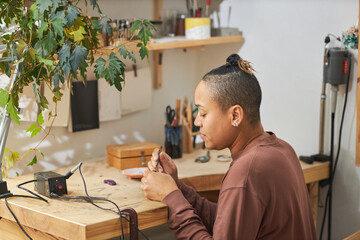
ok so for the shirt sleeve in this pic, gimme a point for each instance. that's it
(238, 216)
(204, 208)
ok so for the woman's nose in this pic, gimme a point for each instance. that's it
(197, 121)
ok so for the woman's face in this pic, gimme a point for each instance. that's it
(215, 125)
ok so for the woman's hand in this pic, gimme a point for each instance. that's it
(156, 185)
(166, 165)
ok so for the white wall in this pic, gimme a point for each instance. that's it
(285, 42)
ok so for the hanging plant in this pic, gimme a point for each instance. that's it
(52, 43)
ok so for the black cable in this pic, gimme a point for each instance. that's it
(87, 194)
(90, 200)
(29, 191)
(331, 173)
(17, 221)
(25, 196)
(337, 155)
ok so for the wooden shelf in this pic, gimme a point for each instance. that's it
(152, 46)
(158, 49)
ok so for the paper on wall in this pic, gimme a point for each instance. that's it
(109, 101)
(137, 92)
(63, 107)
(28, 105)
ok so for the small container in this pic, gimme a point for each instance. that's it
(173, 141)
(180, 25)
(132, 155)
(158, 25)
(197, 28)
(115, 30)
(122, 23)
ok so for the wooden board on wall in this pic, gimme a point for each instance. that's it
(357, 158)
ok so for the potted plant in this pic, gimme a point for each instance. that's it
(49, 43)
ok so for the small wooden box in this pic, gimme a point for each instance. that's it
(132, 155)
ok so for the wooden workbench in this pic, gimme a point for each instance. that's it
(74, 219)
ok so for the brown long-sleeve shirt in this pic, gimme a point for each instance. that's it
(262, 196)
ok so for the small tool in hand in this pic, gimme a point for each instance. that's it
(157, 162)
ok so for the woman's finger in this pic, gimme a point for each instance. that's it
(146, 172)
(150, 166)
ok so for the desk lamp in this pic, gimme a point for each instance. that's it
(4, 127)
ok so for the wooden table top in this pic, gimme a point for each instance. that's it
(75, 219)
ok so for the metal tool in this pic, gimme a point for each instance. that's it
(170, 115)
(203, 159)
(157, 162)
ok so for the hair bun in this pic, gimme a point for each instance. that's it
(233, 59)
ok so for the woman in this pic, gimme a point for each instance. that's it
(263, 194)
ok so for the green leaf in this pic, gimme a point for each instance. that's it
(49, 42)
(32, 127)
(40, 119)
(144, 35)
(34, 161)
(49, 63)
(4, 97)
(35, 132)
(20, 46)
(78, 34)
(56, 3)
(94, 4)
(144, 52)
(57, 77)
(149, 24)
(34, 12)
(64, 58)
(77, 57)
(100, 68)
(43, 27)
(12, 111)
(57, 94)
(118, 84)
(114, 71)
(35, 92)
(105, 26)
(43, 104)
(72, 14)
(41, 153)
(135, 25)
(43, 5)
(32, 53)
(58, 25)
(125, 53)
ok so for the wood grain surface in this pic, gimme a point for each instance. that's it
(75, 219)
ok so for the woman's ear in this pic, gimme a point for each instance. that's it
(237, 113)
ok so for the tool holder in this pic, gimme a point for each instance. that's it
(188, 134)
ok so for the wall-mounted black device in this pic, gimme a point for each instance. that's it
(50, 182)
(337, 66)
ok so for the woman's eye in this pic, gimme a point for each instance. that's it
(202, 115)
